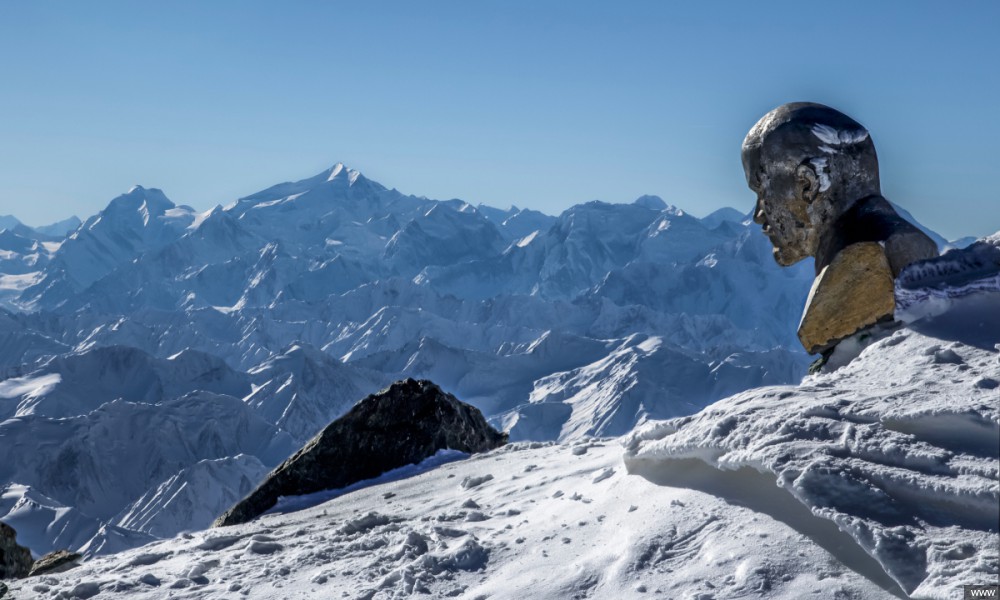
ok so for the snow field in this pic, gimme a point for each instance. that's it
(527, 521)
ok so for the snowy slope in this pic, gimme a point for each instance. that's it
(539, 521)
(44, 525)
(193, 497)
(644, 378)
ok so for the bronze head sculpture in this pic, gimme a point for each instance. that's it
(815, 173)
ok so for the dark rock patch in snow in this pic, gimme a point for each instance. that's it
(55, 562)
(403, 424)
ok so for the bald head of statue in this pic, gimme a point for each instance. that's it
(808, 164)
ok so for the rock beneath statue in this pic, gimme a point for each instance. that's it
(15, 560)
(404, 424)
(837, 307)
(55, 562)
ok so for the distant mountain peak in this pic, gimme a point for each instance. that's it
(334, 180)
(139, 198)
(651, 202)
(723, 215)
(60, 228)
(9, 222)
(341, 171)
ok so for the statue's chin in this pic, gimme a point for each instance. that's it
(786, 258)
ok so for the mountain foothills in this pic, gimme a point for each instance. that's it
(157, 362)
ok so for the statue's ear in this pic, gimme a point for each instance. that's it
(806, 183)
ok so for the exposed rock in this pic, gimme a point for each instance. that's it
(403, 424)
(837, 308)
(15, 560)
(55, 562)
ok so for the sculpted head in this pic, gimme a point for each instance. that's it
(807, 163)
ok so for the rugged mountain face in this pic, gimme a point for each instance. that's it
(72, 384)
(71, 459)
(302, 389)
(24, 253)
(404, 424)
(194, 497)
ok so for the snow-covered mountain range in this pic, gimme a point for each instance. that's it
(156, 348)
(875, 481)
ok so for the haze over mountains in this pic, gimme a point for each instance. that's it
(157, 346)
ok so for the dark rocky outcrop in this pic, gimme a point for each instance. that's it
(15, 560)
(55, 562)
(403, 424)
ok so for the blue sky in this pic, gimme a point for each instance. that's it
(538, 104)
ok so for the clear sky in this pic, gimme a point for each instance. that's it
(541, 104)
